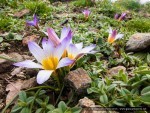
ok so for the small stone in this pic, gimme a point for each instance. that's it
(138, 42)
(79, 80)
(86, 102)
(16, 56)
(115, 70)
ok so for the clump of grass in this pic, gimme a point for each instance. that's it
(139, 25)
(38, 7)
(83, 3)
(129, 4)
(5, 23)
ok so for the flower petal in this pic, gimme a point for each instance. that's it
(88, 48)
(53, 36)
(36, 50)
(59, 50)
(64, 62)
(35, 19)
(43, 76)
(73, 50)
(30, 23)
(28, 64)
(119, 36)
(64, 32)
(79, 45)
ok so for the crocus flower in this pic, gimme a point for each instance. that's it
(49, 58)
(86, 13)
(34, 22)
(53, 36)
(73, 51)
(113, 35)
(120, 17)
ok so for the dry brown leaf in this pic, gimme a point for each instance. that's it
(29, 38)
(15, 87)
(21, 13)
(16, 71)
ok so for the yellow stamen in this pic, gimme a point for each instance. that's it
(71, 56)
(64, 54)
(50, 63)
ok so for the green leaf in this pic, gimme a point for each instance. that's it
(50, 107)
(39, 101)
(76, 109)
(18, 37)
(1, 39)
(146, 98)
(23, 96)
(15, 109)
(92, 90)
(104, 99)
(146, 90)
(62, 106)
(119, 102)
(148, 58)
(25, 110)
(111, 87)
(39, 110)
(56, 111)
(30, 99)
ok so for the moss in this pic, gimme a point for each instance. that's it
(139, 25)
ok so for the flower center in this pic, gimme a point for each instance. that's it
(111, 39)
(71, 56)
(50, 63)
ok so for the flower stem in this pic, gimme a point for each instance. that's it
(12, 60)
(59, 95)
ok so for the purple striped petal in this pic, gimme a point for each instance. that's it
(36, 51)
(58, 52)
(116, 16)
(122, 17)
(114, 33)
(35, 19)
(64, 62)
(64, 32)
(53, 36)
(28, 64)
(30, 23)
(86, 13)
(43, 76)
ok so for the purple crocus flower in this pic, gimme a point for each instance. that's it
(34, 22)
(113, 35)
(122, 17)
(86, 13)
(116, 16)
(49, 58)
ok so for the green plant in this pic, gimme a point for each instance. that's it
(83, 3)
(138, 25)
(38, 7)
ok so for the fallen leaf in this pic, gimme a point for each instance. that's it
(21, 13)
(15, 87)
(16, 71)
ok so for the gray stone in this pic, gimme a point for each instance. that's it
(138, 42)
(115, 70)
(79, 80)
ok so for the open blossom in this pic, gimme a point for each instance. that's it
(121, 17)
(113, 35)
(86, 13)
(73, 51)
(34, 22)
(49, 58)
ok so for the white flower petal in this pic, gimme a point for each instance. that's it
(72, 49)
(64, 62)
(119, 36)
(88, 49)
(28, 64)
(79, 45)
(36, 51)
(43, 76)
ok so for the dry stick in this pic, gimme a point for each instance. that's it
(2, 57)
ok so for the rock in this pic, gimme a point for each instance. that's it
(79, 80)
(115, 70)
(138, 42)
(86, 102)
